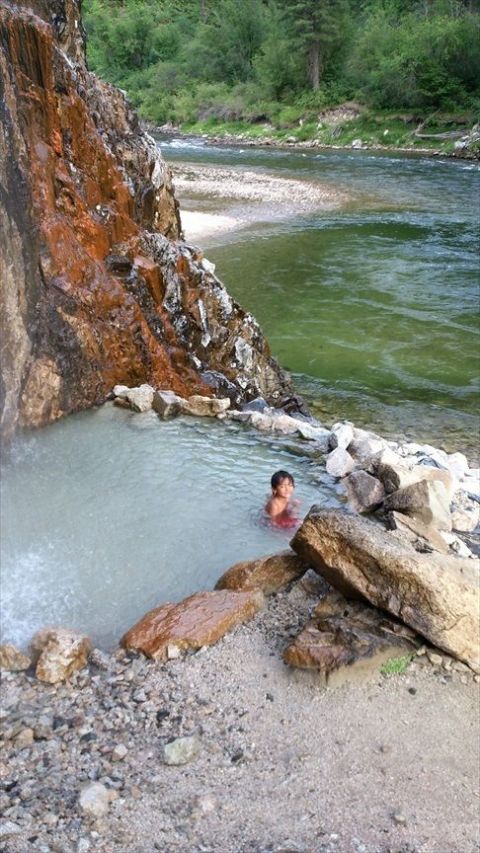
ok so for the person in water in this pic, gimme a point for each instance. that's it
(281, 508)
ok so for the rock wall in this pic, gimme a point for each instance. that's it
(98, 287)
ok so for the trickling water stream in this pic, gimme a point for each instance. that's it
(107, 514)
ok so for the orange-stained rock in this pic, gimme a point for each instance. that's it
(348, 638)
(59, 652)
(98, 288)
(12, 659)
(200, 620)
(267, 573)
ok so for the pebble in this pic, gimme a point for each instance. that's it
(399, 818)
(182, 750)
(94, 800)
(434, 659)
(119, 752)
(8, 828)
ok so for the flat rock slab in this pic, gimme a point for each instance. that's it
(346, 639)
(436, 595)
(267, 573)
(200, 620)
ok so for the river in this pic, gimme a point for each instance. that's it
(373, 305)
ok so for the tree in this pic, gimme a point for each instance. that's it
(317, 25)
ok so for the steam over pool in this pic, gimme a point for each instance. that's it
(108, 514)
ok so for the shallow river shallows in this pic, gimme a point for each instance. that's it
(373, 307)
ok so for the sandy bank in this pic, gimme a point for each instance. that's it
(285, 764)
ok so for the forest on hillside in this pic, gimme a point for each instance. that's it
(281, 61)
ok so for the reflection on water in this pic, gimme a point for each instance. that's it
(375, 306)
(108, 514)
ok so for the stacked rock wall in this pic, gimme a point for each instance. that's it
(98, 287)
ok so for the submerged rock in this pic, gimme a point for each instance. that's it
(200, 620)
(436, 595)
(59, 652)
(348, 638)
(267, 574)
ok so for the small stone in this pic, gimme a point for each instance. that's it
(8, 829)
(435, 660)
(139, 696)
(173, 652)
(24, 738)
(83, 845)
(99, 659)
(94, 800)
(12, 659)
(182, 750)
(399, 818)
(476, 679)
(119, 752)
(421, 651)
(412, 690)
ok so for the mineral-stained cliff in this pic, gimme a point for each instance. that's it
(98, 286)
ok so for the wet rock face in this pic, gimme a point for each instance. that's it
(98, 288)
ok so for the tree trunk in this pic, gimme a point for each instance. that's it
(314, 64)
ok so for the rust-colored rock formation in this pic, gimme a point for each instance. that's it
(97, 286)
(200, 620)
(267, 573)
(347, 639)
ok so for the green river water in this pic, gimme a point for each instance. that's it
(374, 306)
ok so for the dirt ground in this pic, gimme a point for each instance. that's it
(391, 764)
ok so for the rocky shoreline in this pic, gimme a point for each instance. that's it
(234, 139)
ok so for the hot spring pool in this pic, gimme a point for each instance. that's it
(107, 514)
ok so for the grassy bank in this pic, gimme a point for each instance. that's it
(350, 124)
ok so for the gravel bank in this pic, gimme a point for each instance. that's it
(284, 764)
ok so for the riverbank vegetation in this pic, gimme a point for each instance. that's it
(404, 71)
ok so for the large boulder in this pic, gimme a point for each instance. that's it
(339, 462)
(436, 595)
(346, 639)
(59, 653)
(396, 477)
(266, 573)
(200, 620)
(426, 501)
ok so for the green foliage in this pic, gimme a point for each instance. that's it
(396, 666)
(282, 62)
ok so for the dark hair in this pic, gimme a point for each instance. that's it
(279, 476)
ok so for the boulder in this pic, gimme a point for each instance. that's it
(436, 595)
(341, 435)
(346, 639)
(339, 463)
(267, 573)
(167, 404)
(318, 434)
(465, 513)
(457, 465)
(139, 399)
(365, 445)
(365, 492)
(59, 652)
(396, 477)
(426, 501)
(204, 407)
(12, 659)
(386, 456)
(200, 620)
(424, 537)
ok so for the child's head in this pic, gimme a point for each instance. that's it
(280, 480)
